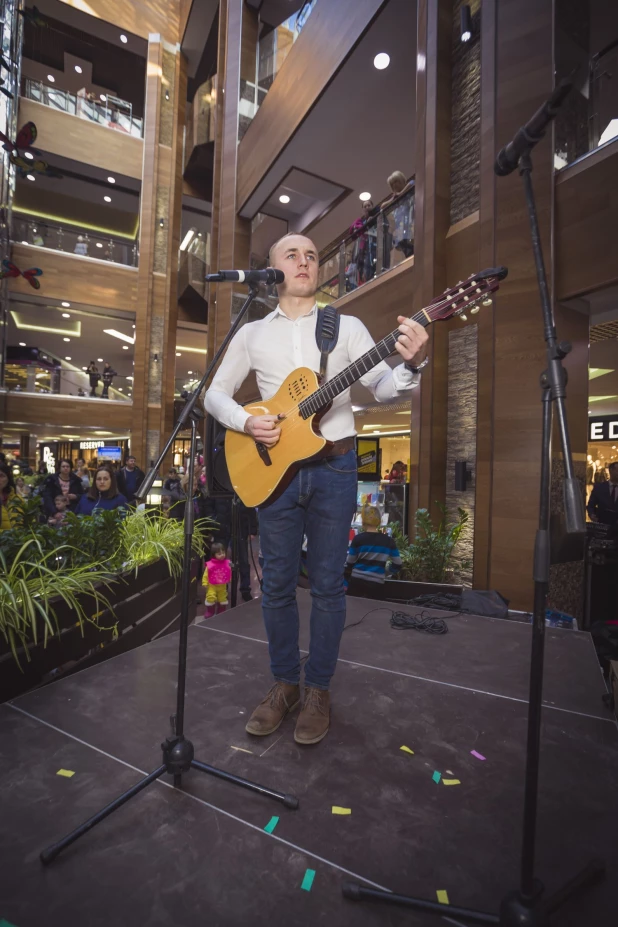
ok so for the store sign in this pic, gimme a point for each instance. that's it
(603, 428)
(90, 445)
(367, 457)
(49, 459)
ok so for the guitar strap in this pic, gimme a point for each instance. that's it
(326, 335)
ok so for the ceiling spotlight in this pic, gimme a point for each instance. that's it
(65, 304)
(99, 245)
(189, 372)
(22, 344)
(466, 23)
(364, 197)
(66, 339)
(67, 357)
(51, 78)
(107, 199)
(125, 347)
(30, 176)
(99, 360)
(381, 61)
(66, 315)
(120, 389)
(103, 97)
(29, 155)
(78, 69)
(123, 38)
(178, 354)
(111, 180)
(84, 368)
(284, 198)
(167, 94)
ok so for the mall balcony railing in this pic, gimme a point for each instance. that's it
(58, 379)
(45, 234)
(111, 111)
(589, 116)
(371, 246)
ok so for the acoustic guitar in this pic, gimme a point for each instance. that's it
(259, 473)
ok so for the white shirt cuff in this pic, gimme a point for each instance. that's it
(404, 379)
(239, 418)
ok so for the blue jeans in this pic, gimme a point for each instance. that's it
(319, 502)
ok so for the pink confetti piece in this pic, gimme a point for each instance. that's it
(479, 756)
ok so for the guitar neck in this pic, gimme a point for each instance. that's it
(379, 352)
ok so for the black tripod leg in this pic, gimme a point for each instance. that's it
(356, 892)
(290, 801)
(48, 855)
(594, 872)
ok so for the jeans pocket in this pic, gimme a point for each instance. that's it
(345, 463)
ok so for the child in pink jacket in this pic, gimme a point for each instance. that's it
(217, 574)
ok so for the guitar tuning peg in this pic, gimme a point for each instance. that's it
(487, 302)
(463, 316)
(475, 309)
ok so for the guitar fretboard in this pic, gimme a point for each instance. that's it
(379, 352)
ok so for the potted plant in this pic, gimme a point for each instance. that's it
(431, 556)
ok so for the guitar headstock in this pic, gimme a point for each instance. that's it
(468, 296)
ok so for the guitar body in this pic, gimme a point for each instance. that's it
(254, 479)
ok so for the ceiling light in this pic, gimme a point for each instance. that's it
(181, 347)
(284, 198)
(51, 78)
(115, 334)
(66, 315)
(123, 38)
(66, 339)
(178, 354)
(120, 389)
(25, 242)
(84, 368)
(103, 97)
(99, 360)
(67, 358)
(363, 197)
(133, 326)
(466, 23)
(381, 61)
(125, 347)
(66, 305)
(22, 344)
(30, 176)
(190, 372)
(99, 245)
(107, 199)
(187, 239)
(78, 69)
(111, 180)
(30, 156)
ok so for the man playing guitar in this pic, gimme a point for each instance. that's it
(320, 500)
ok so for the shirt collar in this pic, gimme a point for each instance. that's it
(279, 311)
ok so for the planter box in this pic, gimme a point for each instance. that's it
(398, 590)
(145, 606)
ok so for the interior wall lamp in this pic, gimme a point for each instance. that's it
(466, 23)
(162, 223)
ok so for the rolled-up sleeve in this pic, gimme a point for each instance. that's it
(386, 383)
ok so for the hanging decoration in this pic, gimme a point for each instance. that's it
(12, 270)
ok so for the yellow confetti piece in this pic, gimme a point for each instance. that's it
(451, 782)
(67, 773)
(407, 750)
(337, 810)
(442, 896)
(241, 749)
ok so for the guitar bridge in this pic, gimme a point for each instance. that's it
(263, 452)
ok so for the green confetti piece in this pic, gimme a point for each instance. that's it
(271, 825)
(308, 880)
(436, 776)
(4, 923)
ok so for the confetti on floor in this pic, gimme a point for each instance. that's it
(67, 773)
(241, 749)
(442, 896)
(479, 756)
(449, 772)
(337, 810)
(451, 782)
(5, 923)
(436, 776)
(271, 825)
(407, 750)
(308, 880)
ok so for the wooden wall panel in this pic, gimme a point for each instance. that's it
(62, 411)
(462, 250)
(331, 33)
(77, 279)
(142, 17)
(81, 140)
(586, 211)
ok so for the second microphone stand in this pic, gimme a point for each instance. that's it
(178, 752)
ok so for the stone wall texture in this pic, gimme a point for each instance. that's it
(465, 116)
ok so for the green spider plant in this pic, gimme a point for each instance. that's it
(146, 537)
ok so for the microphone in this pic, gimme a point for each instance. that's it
(269, 276)
(533, 131)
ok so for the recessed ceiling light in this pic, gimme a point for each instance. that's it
(78, 69)
(364, 197)
(111, 180)
(190, 372)
(178, 354)
(51, 78)
(66, 339)
(133, 326)
(22, 344)
(120, 335)
(67, 358)
(66, 315)
(30, 176)
(125, 347)
(284, 198)
(66, 305)
(99, 245)
(381, 61)
(107, 199)
(103, 97)
(99, 360)
(30, 156)
(123, 38)
(84, 368)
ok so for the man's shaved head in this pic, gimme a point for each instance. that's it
(284, 239)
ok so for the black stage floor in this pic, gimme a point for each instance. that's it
(203, 857)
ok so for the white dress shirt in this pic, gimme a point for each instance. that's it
(275, 346)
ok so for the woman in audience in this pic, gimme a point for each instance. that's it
(65, 482)
(103, 494)
(8, 496)
(21, 487)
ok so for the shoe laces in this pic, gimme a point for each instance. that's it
(315, 701)
(276, 698)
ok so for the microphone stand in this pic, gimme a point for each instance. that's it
(526, 906)
(178, 752)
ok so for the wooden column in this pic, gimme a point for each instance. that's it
(433, 112)
(161, 201)
(231, 235)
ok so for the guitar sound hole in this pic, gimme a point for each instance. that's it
(298, 388)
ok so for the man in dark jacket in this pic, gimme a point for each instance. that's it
(129, 479)
(603, 501)
(108, 375)
(63, 483)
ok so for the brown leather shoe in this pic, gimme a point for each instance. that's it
(271, 711)
(314, 719)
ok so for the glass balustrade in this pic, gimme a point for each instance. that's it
(375, 243)
(59, 378)
(45, 234)
(106, 110)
